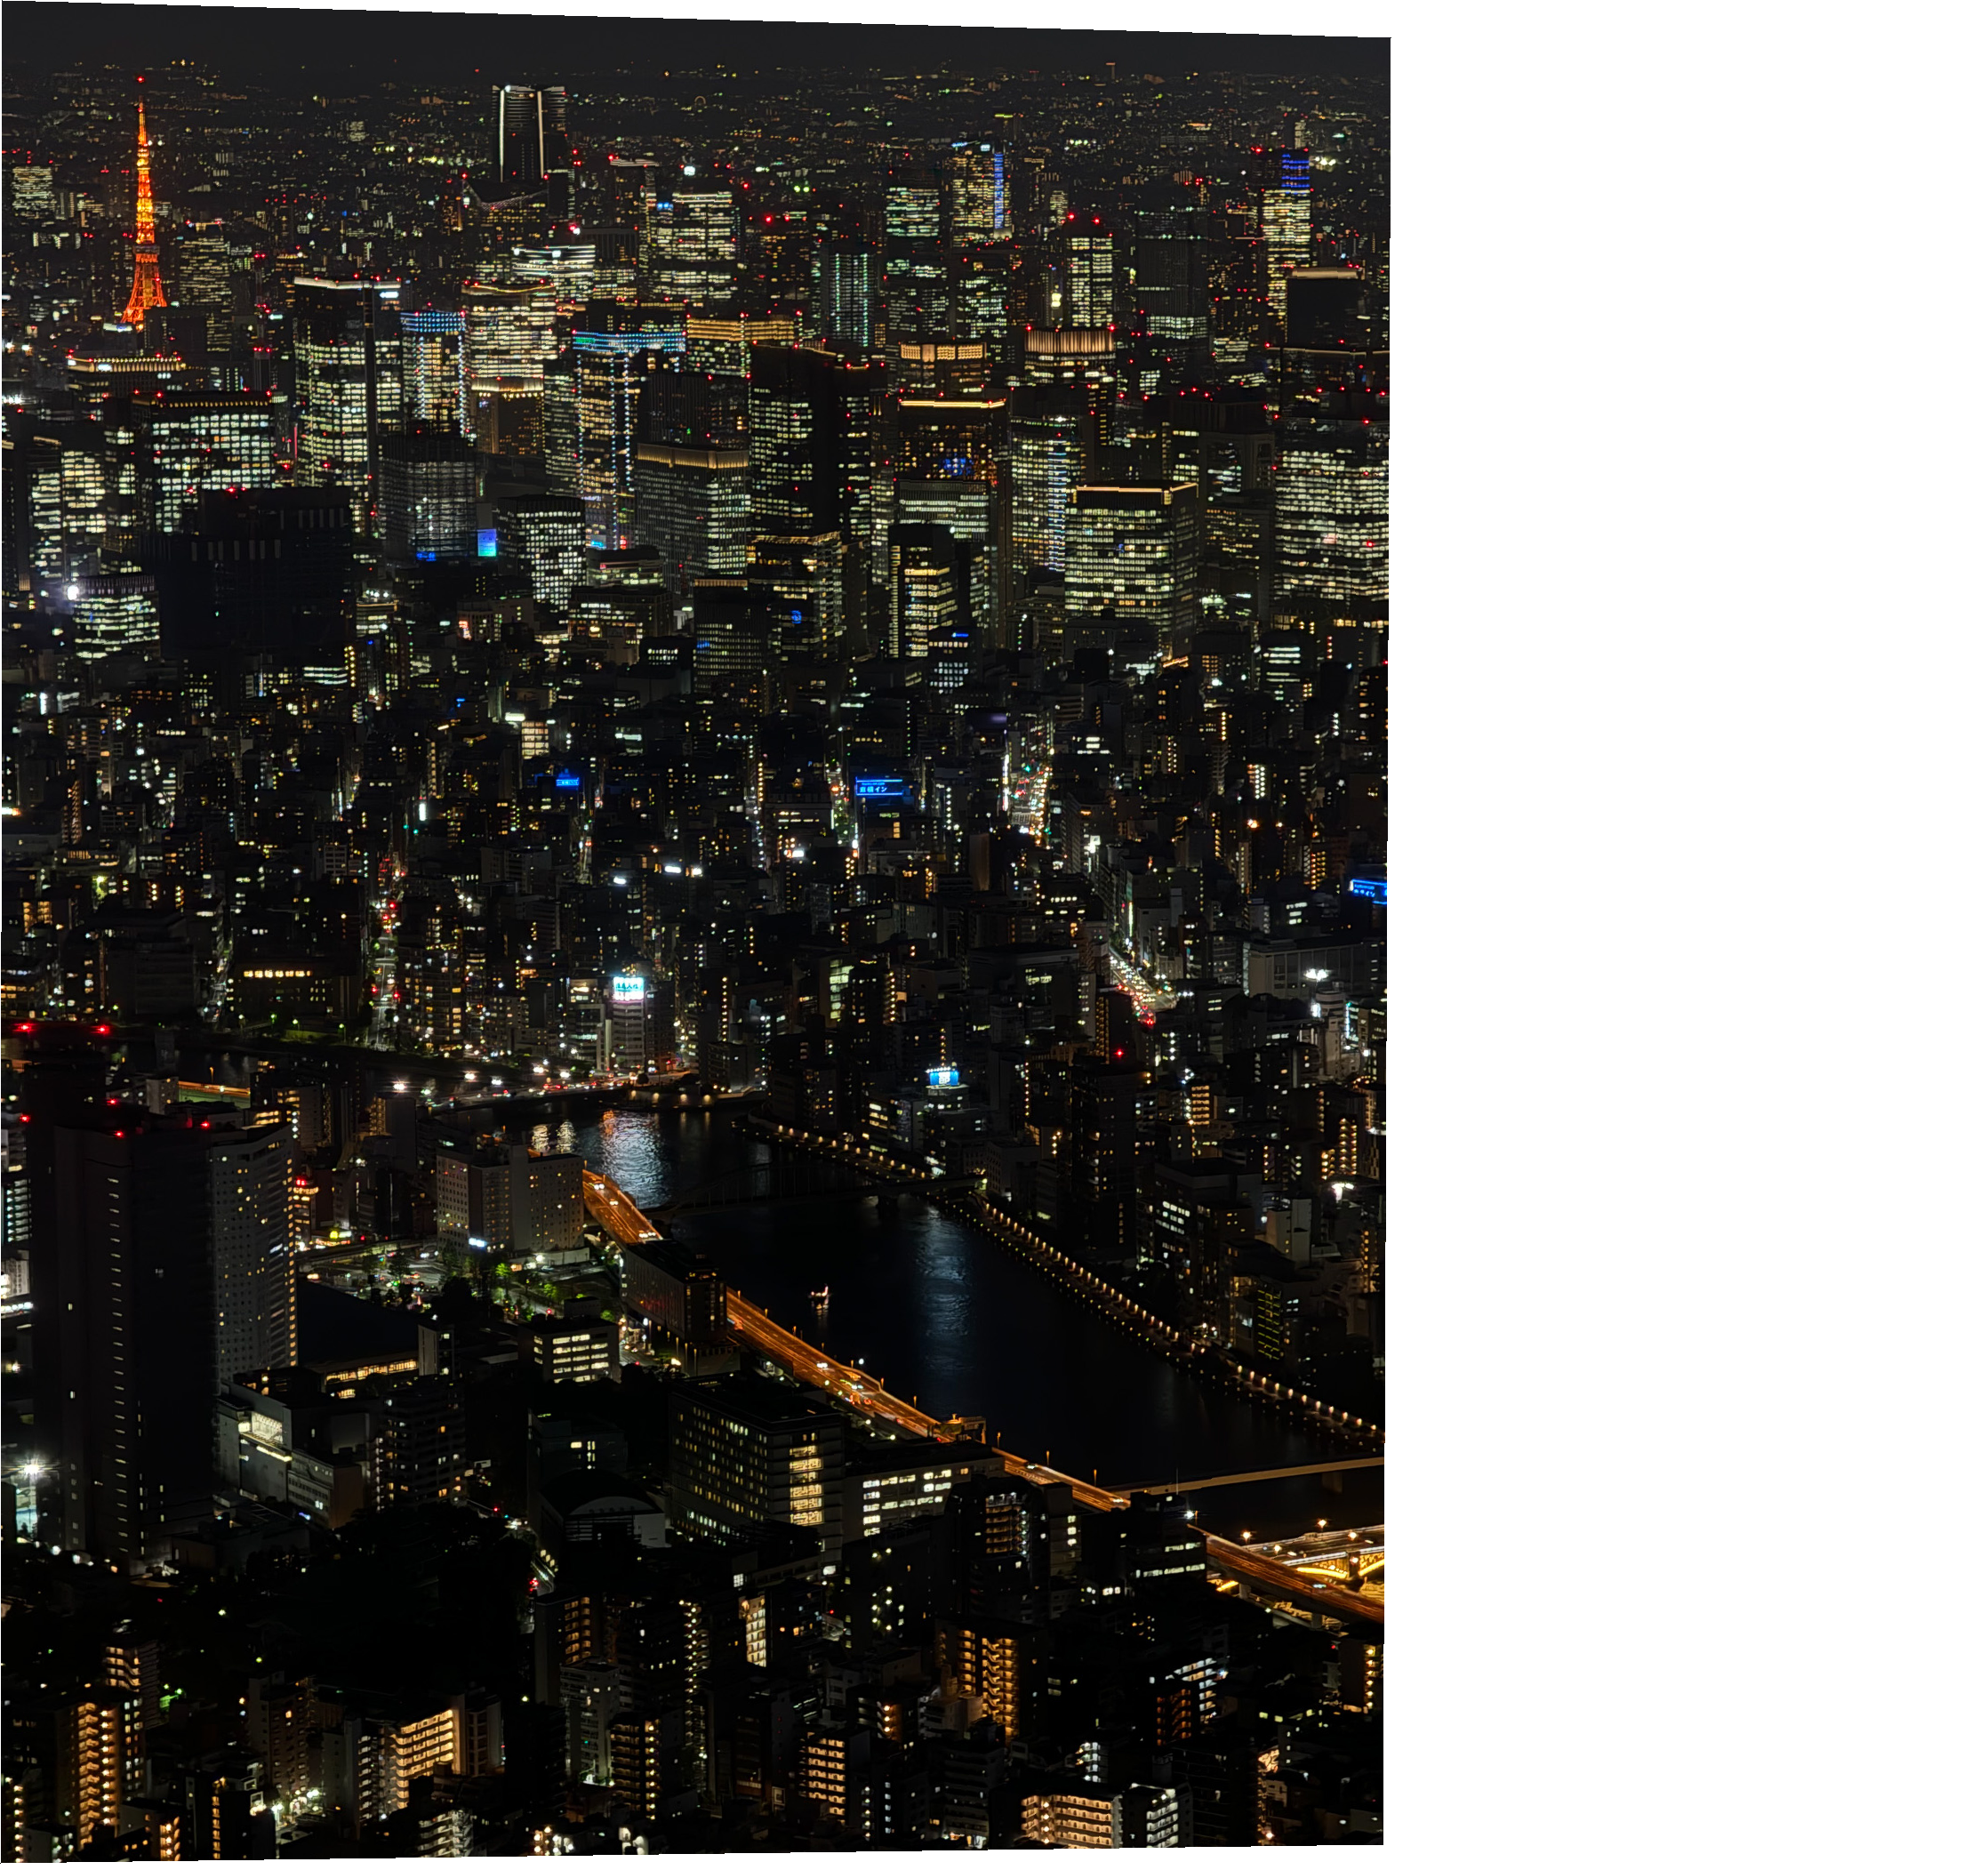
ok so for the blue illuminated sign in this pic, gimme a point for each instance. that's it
(942, 1077)
(1374, 888)
(567, 782)
(881, 787)
(487, 541)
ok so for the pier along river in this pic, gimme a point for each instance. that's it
(947, 1316)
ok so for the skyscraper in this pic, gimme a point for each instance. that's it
(1090, 269)
(428, 497)
(147, 293)
(1169, 272)
(1077, 359)
(973, 513)
(162, 1246)
(187, 439)
(915, 309)
(930, 608)
(547, 534)
(261, 571)
(508, 334)
(346, 334)
(113, 614)
(1327, 309)
(435, 368)
(1331, 499)
(848, 280)
(691, 251)
(801, 583)
(1052, 447)
(1286, 221)
(812, 418)
(609, 368)
(981, 197)
(694, 508)
(520, 157)
(1131, 558)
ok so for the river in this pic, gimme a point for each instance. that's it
(944, 1315)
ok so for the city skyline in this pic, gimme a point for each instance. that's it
(696, 799)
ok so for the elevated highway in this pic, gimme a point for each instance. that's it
(1264, 1573)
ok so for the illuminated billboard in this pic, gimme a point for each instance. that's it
(942, 1077)
(629, 989)
(882, 788)
(1374, 888)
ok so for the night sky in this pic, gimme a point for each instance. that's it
(378, 43)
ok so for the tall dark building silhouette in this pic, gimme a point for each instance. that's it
(161, 1248)
(265, 571)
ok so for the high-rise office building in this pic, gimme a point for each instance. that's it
(112, 613)
(1052, 448)
(265, 570)
(434, 369)
(559, 425)
(930, 611)
(1089, 286)
(1167, 292)
(693, 509)
(1328, 308)
(609, 371)
(848, 293)
(508, 334)
(982, 195)
(346, 338)
(206, 271)
(776, 262)
(628, 1027)
(691, 247)
(161, 1245)
(571, 272)
(974, 514)
(187, 439)
(521, 154)
(1286, 221)
(1081, 360)
(730, 637)
(1131, 557)
(428, 495)
(812, 421)
(915, 299)
(1331, 494)
(800, 583)
(983, 286)
(546, 533)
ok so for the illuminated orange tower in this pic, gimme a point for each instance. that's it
(147, 292)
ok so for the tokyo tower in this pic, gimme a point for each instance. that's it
(146, 292)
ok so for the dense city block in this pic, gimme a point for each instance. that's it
(644, 718)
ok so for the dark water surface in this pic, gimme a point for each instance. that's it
(943, 1314)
